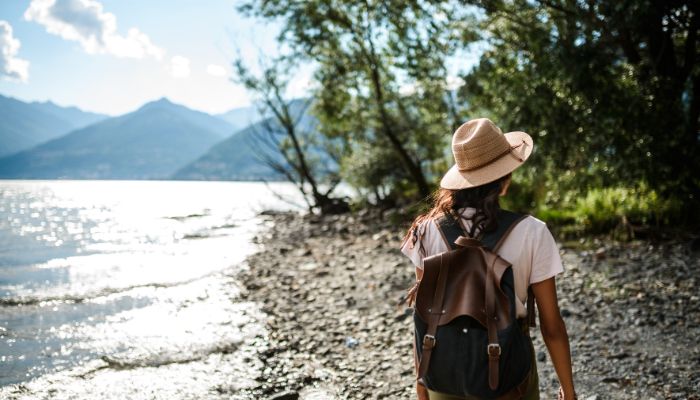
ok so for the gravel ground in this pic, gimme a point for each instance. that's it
(330, 285)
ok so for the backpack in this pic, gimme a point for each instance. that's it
(468, 339)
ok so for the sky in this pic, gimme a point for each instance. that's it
(112, 56)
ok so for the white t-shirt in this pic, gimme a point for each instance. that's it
(529, 247)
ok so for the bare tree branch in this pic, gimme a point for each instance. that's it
(282, 134)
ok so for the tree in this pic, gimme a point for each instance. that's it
(367, 53)
(611, 89)
(289, 132)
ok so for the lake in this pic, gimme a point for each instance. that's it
(108, 287)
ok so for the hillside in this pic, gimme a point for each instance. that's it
(235, 159)
(24, 125)
(241, 156)
(149, 143)
(242, 117)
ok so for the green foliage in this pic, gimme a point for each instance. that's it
(287, 143)
(383, 81)
(609, 90)
(606, 103)
(598, 209)
(604, 208)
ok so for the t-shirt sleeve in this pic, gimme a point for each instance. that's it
(412, 251)
(415, 251)
(546, 261)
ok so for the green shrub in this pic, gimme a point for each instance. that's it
(603, 209)
(567, 207)
(555, 216)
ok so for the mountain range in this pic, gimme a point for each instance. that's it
(240, 118)
(216, 164)
(249, 148)
(24, 125)
(160, 140)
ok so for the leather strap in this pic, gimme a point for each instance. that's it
(435, 312)
(493, 348)
(531, 312)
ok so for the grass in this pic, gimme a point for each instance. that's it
(617, 210)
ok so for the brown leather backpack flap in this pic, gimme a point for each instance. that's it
(427, 286)
(503, 308)
(465, 288)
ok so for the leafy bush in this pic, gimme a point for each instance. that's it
(605, 208)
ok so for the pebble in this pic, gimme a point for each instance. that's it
(290, 395)
(335, 321)
(351, 342)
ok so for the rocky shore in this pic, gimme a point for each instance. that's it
(330, 287)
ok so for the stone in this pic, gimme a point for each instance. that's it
(289, 395)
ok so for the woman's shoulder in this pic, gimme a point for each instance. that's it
(530, 227)
(523, 219)
(428, 228)
(533, 222)
(430, 221)
(422, 240)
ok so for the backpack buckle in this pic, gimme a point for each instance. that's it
(429, 341)
(495, 347)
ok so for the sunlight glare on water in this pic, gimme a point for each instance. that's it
(105, 278)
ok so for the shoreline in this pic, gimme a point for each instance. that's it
(329, 286)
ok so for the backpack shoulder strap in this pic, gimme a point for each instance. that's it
(506, 222)
(450, 229)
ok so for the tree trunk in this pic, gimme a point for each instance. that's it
(693, 129)
(412, 167)
(303, 166)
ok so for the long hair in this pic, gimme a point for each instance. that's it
(483, 198)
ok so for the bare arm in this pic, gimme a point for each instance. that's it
(554, 333)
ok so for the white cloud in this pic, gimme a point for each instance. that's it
(179, 67)
(86, 22)
(216, 70)
(11, 66)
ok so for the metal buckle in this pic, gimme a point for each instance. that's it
(493, 346)
(432, 340)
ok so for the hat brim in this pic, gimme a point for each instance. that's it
(455, 179)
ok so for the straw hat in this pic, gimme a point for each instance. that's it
(483, 154)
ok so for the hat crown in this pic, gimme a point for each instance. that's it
(478, 142)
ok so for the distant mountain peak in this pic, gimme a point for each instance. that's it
(52, 105)
(165, 107)
(162, 103)
(163, 100)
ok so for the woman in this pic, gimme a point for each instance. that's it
(469, 191)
